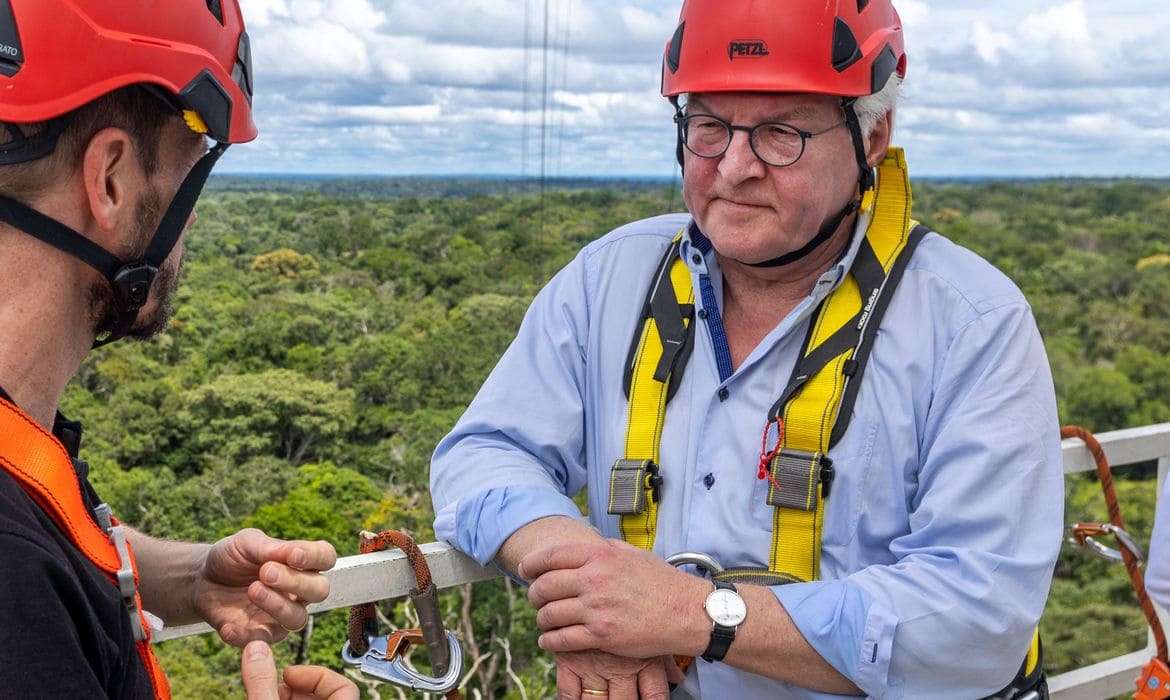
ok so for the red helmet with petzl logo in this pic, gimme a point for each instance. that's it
(848, 48)
(57, 55)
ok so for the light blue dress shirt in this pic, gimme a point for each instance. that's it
(945, 518)
(1158, 563)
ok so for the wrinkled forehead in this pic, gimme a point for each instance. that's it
(762, 106)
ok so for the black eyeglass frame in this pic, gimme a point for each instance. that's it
(681, 119)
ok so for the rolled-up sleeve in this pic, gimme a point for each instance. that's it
(517, 454)
(952, 617)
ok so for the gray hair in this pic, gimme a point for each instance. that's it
(873, 107)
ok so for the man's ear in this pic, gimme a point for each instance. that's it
(111, 175)
(879, 139)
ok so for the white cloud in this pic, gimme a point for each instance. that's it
(321, 50)
(430, 86)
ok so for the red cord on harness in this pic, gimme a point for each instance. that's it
(766, 455)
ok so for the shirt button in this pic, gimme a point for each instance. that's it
(697, 259)
(723, 394)
(703, 314)
(709, 481)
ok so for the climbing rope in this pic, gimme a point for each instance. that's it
(1154, 680)
(384, 657)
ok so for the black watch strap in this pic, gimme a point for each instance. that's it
(721, 639)
(721, 636)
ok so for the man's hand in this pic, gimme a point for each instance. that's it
(613, 597)
(254, 587)
(258, 669)
(619, 677)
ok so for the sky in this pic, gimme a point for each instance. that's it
(1008, 88)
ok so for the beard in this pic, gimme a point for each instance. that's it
(155, 316)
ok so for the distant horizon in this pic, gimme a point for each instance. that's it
(648, 177)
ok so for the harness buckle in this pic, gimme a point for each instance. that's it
(105, 517)
(632, 484)
(126, 584)
(795, 476)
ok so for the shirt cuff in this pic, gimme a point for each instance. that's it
(854, 634)
(479, 524)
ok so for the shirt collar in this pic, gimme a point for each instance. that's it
(694, 240)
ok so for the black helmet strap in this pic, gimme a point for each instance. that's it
(131, 281)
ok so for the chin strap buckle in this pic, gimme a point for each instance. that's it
(132, 284)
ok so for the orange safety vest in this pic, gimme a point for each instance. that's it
(40, 464)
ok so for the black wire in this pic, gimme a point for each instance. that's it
(543, 114)
(560, 137)
(673, 189)
(524, 109)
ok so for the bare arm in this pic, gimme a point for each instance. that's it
(167, 575)
(768, 635)
(247, 585)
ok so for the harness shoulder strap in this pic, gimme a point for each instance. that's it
(823, 381)
(809, 412)
(657, 358)
(44, 470)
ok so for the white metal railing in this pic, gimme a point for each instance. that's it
(382, 575)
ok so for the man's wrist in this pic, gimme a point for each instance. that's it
(697, 631)
(552, 529)
(197, 573)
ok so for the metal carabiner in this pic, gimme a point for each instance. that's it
(391, 665)
(384, 656)
(1083, 533)
(705, 562)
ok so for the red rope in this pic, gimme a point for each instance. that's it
(764, 469)
(1105, 475)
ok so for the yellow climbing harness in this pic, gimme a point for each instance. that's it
(824, 382)
(812, 412)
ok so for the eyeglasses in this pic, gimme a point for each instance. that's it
(775, 143)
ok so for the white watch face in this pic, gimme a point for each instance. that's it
(726, 608)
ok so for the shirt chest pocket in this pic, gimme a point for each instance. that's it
(851, 459)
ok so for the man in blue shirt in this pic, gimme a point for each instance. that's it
(945, 516)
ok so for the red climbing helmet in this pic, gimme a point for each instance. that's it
(834, 47)
(57, 55)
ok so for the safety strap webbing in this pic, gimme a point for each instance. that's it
(808, 407)
(40, 464)
(663, 345)
(812, 412)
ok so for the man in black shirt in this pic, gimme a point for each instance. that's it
(63, 629)
(105, 114)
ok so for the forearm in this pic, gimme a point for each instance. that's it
(542, 533)
(769, 644)
(167, 573)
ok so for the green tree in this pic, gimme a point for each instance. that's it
(277, 412)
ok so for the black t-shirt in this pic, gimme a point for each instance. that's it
(64, 631)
